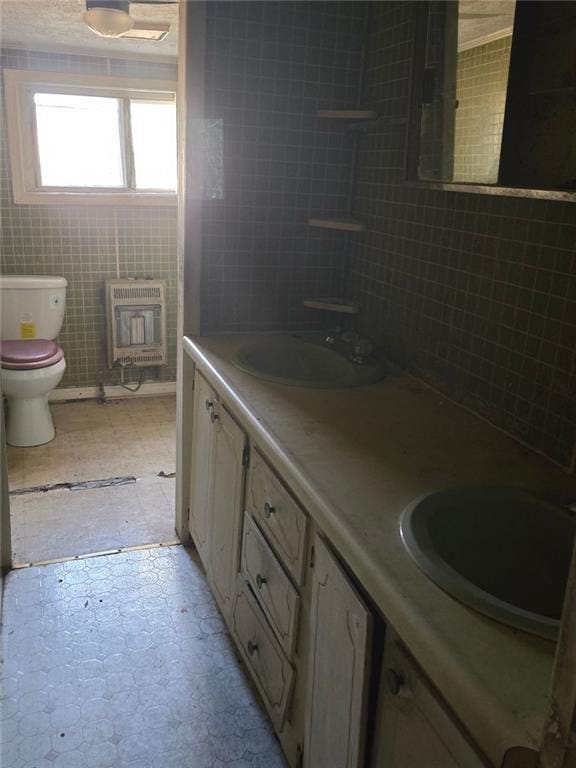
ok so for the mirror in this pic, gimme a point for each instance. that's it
(494, 96)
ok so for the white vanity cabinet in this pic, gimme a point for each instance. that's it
(226, 502)
(202, 465)
(271, 600)
(339, 667)
(219, 457)
(300, 623)
(413, 727)
(300, 587)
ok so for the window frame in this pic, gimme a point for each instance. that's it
(20, 86)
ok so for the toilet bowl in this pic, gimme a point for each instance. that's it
(30, 371)
(32, 364)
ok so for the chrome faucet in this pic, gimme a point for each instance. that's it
(333, 336)
(361, 351)
(355, 347)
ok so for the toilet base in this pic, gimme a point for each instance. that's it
(29, 422)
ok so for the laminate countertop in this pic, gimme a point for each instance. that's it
(356, 458)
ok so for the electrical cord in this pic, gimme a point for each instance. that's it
(122, 383)
(123, 366)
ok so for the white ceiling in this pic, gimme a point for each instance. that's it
(483, 20)
(57, 25)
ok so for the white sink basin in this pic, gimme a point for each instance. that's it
(498, 550)
(303, 361)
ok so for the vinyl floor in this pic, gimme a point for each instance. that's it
(96, 441)
(122, 661)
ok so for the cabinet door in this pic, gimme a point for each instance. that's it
(201, 470)
(413, 728)
(341, 632)
(226, 507)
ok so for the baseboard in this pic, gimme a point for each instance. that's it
(113, 391)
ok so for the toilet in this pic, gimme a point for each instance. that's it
(31, 315)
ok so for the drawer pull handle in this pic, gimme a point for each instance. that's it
(394, 681)
(251, 648)
(268, 510)
(209, 405)
(260, 580)
(214, 417)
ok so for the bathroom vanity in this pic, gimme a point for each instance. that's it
(295, 500)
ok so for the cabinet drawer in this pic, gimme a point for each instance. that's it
(272, 587)
(271, 670)
(283, 521)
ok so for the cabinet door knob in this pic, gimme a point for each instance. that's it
(260, 580)
(394, 681)
(268, 510)
(251, 648)
(209, 405)
(214, 417)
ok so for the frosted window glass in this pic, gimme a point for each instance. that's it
(154, 144)
(78, 140)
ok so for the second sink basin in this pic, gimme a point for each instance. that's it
(498, 550)
(302, 361)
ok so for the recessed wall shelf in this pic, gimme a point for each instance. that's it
(348, 114)
(346, 225)
(333, 304)
(390, 122)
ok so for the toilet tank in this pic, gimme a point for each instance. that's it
(31, 307)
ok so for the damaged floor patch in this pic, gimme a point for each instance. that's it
(46, 526)
(123, 444)
(83, 485)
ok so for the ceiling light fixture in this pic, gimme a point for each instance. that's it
(108, 18)
(145, 30)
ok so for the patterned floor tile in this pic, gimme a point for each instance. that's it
(132, 676)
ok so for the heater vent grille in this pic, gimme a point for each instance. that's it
(137, 292)
(136, 312)
(142, 358)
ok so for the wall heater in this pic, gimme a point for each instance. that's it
(136, 311)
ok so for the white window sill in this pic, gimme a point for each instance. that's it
(41, 197)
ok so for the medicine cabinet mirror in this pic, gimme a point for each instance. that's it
(493, 104)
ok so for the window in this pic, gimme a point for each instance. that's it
(78, 141)
(91, 139)
(153, 125)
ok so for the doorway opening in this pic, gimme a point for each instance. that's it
(89, 201)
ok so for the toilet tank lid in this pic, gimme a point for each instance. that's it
(30, 282)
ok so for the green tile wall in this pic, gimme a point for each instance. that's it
(481, 93)
(82, 243)
(269, 67)
(474, 293)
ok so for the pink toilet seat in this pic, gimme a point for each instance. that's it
(28, 355)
